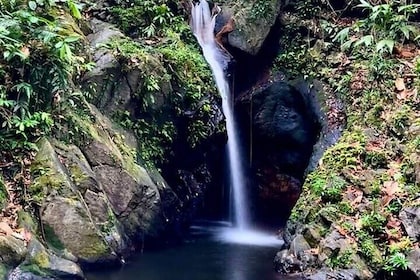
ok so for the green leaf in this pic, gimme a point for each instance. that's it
(75, 12)
(385, 43)
(32, 5)
(59, 45)
(366, 40)
(71, 39)
(364, 4)
(342, 35)
(405, 31)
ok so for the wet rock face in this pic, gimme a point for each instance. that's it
(282, 133)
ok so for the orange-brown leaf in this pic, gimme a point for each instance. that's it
(400, 84)
(5, 229)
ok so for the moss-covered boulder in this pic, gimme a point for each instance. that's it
(66, 220)
(253, 22)
(43, 264)
(12, 250)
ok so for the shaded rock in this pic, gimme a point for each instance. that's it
(50, 264)
(284, 127)
(115, 82)
(414, 261)
(341, 274)
(410, 218)
(295, 259)
(102, 33)
(12, 250)
(20, 273)
(299, 245)
(99, 153)
(4, 270)
(312, 234)
(286, 263)
(93, 195)
(77, 166)
(333, 243)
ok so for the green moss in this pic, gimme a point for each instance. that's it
(3, 193)
(347, 152)
(35, 269)
(52, 239)
(95, 248)
(340, 260)
(4, 270)
(41, 259)
(45, 183)
(26, 221)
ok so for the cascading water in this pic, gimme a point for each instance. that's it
(203, 23)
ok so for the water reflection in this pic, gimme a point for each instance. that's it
(202, 257)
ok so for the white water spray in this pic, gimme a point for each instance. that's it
(202, 23)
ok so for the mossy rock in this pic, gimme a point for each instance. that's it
(253, 20)
(3, 194)
(49, 174)
(4, 270)
(12, 250)
(67, 225)
(26, 221)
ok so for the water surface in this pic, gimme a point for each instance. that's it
(201, 257)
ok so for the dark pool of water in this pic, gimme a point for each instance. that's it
(201, 257)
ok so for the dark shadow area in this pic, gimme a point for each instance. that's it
(280, 124)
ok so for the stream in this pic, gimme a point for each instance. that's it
(202, 257)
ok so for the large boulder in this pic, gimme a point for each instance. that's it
(12, 250)
(116, 80)
(96, 201)
(41, 263)
(253, 22)
(65, 218)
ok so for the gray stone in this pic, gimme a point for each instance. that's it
(135, 202)
(410, 218)
(333, 242)
(102, 33)
(19, 273)
(98, 153)
(341, 274)
(68, 225)
(299, 245)
(50, 264)
(12, 250)
(414, 261)
(253, 22)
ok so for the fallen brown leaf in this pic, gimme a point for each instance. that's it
(5, 229)
(399, 84)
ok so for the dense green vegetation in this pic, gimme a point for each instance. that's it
(40, 48)
(364, 181)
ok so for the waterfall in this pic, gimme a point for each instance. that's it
(202, 24)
